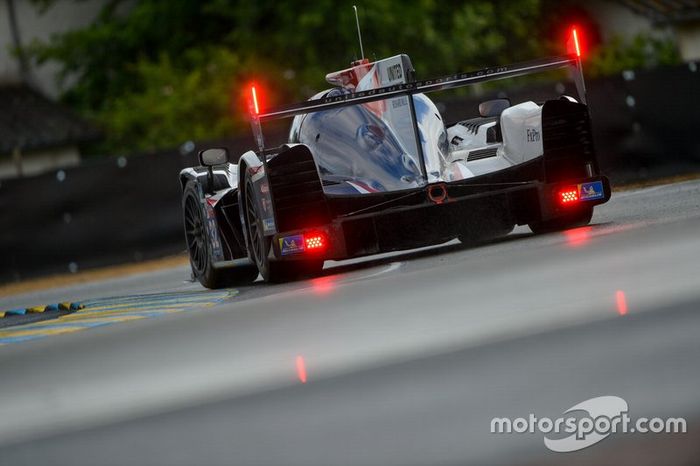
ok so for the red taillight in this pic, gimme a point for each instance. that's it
(315, 242)
(568, 196)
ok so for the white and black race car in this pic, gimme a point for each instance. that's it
(370, 166)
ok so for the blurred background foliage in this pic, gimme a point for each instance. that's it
(644, 51)
(156, 73)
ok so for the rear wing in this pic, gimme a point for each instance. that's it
(572, 60)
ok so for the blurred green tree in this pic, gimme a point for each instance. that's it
(642, 51)
(155, 73)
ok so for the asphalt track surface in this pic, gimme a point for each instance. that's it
(406, 357)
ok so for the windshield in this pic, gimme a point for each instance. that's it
(364, 148)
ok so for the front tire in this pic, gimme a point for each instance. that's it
(197, 238)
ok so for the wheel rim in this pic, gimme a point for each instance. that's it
(194, 232)
(256, 239)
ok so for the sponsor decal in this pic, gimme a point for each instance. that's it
(269, 225)
(394, 72)
(591, 191)
(291, 244)
(266, 205)
(532, 135)
(217, 251)
(399, 102)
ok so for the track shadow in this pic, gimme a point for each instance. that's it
(413, 254)
(430, 251)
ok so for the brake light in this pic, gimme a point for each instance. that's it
(568, 196)
(315, 242)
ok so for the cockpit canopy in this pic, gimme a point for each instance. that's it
(373, 147)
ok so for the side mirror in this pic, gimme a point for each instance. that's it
(493, 108)
(214, 156)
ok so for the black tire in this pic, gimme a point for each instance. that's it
(259, 245)
(485, 233)
(199, 249)
(578, 218)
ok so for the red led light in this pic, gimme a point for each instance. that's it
(315, 242)
(574, 42)
(254, 94)
(568, 196)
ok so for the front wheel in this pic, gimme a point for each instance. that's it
(578, 218)
(197, 237)
(260, 245)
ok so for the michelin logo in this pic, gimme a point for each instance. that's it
(591, 191)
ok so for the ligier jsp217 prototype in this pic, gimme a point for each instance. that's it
(370, 166)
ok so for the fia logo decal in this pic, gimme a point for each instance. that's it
(291, 244)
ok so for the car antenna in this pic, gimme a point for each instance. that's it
(359, 34)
